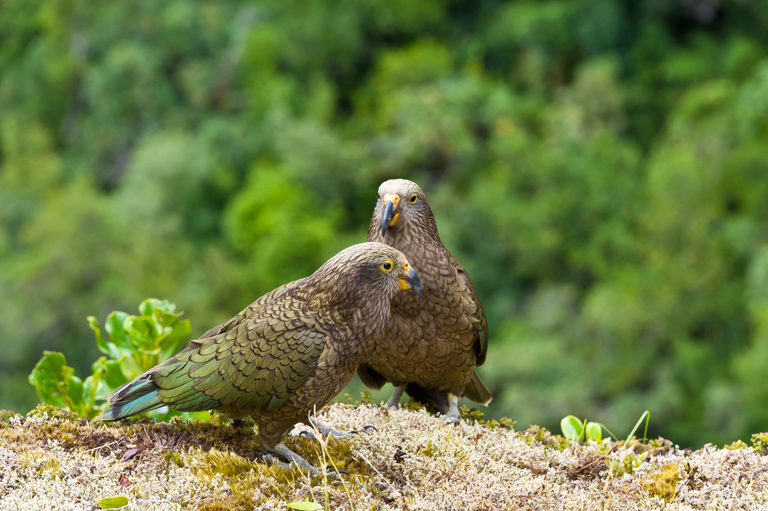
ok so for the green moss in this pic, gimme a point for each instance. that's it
(225, 463)
(663, 484)
(738, 444)
(413, 405)
(628, 463)
(760, 442)
(54, 412)
(471, 413)
(6, 416)
(175, 458)
(430, 449)
(538, 435)
(366, 398)
(235, 502)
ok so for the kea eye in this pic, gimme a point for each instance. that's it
(413, 198)
(387, 266)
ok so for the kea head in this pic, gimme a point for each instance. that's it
(369, 269)
(402, 204)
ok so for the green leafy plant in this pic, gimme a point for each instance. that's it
(133, 345)
(576, 429)
(57, 384)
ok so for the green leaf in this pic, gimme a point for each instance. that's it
(171, 343)
(113, 502)
(147, 307)
(594, 431)
(142, 332)
(51, 377)
(114, 327)
(75, 390)
(105, 347)
(114, 375)
(303, 505)
(572, 427)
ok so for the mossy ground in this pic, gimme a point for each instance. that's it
(53, 459)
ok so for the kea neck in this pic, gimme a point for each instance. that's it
(415, 237)
(349, 305)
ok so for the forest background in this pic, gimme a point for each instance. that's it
(599, 166)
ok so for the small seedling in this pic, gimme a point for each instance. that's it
(575, 429)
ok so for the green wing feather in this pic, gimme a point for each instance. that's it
(255, 361)
(257, 364)
(248, 311)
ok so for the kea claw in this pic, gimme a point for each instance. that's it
(452, 419)
(394, 399)
(326, 430)
(333, 470)
(296, 461)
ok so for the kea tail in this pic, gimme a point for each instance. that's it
(137, 396)
(477, 391)
(438, 400)
(370, 377)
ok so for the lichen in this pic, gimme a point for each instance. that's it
(414, 460)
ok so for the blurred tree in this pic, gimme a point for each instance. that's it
(599, 167)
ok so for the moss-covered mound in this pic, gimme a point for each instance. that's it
(52, 459)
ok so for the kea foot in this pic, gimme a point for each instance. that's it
(394, 400)
(326, 430)
(294, 460)
(452, 417)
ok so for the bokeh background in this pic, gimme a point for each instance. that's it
(599, 166)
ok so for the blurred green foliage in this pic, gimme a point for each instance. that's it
(599, 166)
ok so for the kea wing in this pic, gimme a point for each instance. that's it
(256, 364)
(248, 311)
(479, 323)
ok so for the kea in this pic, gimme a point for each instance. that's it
(430, 347)
(285, 355)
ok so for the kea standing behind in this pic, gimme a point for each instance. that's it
(286, 354)
(431, 347)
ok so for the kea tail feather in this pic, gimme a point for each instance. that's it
(477, 391)
(137, 396)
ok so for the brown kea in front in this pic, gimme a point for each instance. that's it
(430, 348)
(286, 354)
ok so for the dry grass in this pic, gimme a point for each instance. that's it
(414, 461)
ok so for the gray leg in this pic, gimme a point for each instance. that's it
(293, 460)
(394, 400)
(453, 409)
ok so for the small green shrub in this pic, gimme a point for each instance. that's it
(133, 345)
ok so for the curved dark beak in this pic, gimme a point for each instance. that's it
(390, 210)
(410, 279)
